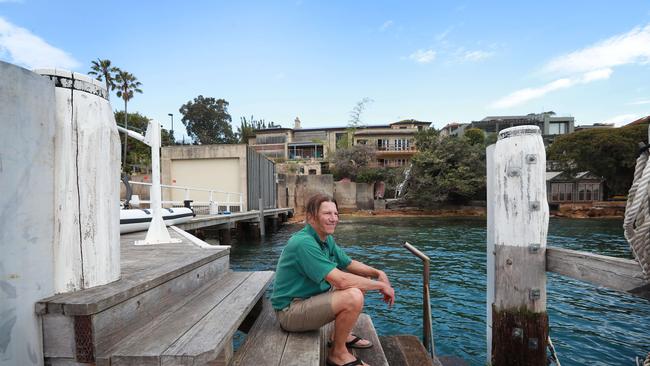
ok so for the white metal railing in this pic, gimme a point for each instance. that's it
(212, 202)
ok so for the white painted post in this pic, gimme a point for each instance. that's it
(489, 155)
(187, 194)
(228, 202)
(213, 208)
(157, 233)
(518, 229)
(241, 203)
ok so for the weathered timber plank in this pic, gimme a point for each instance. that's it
(58, 336)
(144, 267)
(302, 349)
(204, 340)
(518, 271)
(375, 355)
(149, 343)
(112, 325)
(615, 273)
(265, 341)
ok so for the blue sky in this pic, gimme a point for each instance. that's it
(438, 61)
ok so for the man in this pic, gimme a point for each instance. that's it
(316, 282)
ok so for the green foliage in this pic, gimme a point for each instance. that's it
(126, 84)
(475, 136)
(355, 113)
(139, 154)
(608, 152)
(427, 139)
(247, 128)
(449, 169)
(207, 121)
(103, 71)
(348, 161)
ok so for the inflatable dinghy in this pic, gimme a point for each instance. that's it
(132, 220)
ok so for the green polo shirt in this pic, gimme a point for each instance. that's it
(303, 265)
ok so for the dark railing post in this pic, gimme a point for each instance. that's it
(426, 305)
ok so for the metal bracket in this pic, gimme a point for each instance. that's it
(514, 172)
(534, 248)
(535, 294)
(534, 205)
(517, 333)
(533, 343)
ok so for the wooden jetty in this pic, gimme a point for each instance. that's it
(253, 216)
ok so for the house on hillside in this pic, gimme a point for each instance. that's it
(394, 143)
(563, 187)
(549, 124)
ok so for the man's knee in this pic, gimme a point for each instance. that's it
(353, 298)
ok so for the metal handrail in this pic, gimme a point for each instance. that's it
(426, 301)
(187, 190)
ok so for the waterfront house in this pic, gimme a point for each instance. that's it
(549, 124)
(582, 187)
(394, 143)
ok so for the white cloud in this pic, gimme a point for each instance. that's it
(632, 47)
(29, 50)
(640, 102)
(423, 56)
(444, 34)
(474, 56)
(622, 119)
(524, 95)
(387, 24)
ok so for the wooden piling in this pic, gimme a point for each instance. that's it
(517, 230)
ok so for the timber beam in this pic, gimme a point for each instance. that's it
(618, 274)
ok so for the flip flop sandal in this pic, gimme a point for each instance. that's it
(353, 343)
(356, 362)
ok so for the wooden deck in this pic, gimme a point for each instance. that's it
(202, 221)
(175, 304)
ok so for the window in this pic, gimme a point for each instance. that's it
(557, 128)
(588, 191)
(401, 144)
(562, 192)
(382, 144)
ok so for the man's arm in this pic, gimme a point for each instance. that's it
(364, 270)
(343, 280)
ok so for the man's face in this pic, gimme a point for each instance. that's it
(325, 222)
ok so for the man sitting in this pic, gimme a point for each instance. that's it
(316, 282)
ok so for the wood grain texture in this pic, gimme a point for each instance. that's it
(615, 273)
(203, 341)
(265, 341)
(143, 268)
(518, 273)
(151, 341)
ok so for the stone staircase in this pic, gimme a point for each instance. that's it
(175, 304)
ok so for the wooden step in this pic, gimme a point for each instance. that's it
(196, 332)
(81, 325)
(267, 344)
(407, 350)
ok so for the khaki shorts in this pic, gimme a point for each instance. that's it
(307, 314)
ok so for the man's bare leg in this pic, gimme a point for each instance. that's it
(347, 305)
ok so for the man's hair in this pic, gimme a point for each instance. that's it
(314, 202)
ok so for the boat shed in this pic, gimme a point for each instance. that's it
(232, 169)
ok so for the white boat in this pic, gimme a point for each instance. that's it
(138, 219)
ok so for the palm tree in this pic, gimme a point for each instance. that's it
(103, 71)
(126, 85)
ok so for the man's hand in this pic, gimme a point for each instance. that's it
(383, 278)
(389, 295)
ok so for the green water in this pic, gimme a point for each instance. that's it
(589, 325)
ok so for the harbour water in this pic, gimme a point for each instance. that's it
(589, 325)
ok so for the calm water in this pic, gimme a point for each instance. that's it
(589, 325)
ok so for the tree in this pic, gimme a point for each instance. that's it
(608, 152)
(446, 169)
(207, 121)
(103, 71)
(474, 136)
(139, 153)
(353, 124)
(349, 161)
(247, 128)
(126, 85)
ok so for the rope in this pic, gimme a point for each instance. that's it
(637, 214)
(553, 354)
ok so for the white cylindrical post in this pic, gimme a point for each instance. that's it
(489, 156)
(518, 230)
(228, 202)
(87, 161)
(241, 202)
